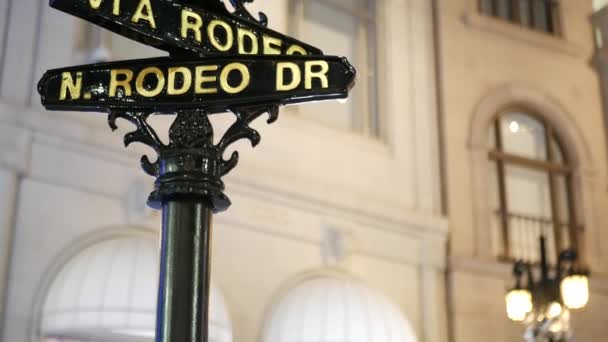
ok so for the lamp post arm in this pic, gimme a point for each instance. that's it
(544, 265)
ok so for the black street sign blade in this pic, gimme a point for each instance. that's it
(183, 28)
(215, 84)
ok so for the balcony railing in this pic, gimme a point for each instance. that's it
(520, 239)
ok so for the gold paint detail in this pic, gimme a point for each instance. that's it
(186, 84)
(87, 96)
(214, 41)
(245, 78)
(160, 84)
(144, 6)
(272, 46)
(296, 78)
(243, 34)
(95, 3)
(116, 7)
(320, 74)
(192, 22)
(296, 50)
(201, 79)
(68, 85)
(125, 83)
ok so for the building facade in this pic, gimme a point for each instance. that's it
(336, 196)
(524, 154)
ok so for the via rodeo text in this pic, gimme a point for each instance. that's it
(174, 26)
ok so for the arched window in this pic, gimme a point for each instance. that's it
(531, 188)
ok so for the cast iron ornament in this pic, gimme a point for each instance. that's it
(268, 70)
(191, 165)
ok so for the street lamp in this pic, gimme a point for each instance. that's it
(575, 291)
(561, 288)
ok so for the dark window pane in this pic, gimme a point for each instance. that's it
(505, 9)
(487, 7)
(537, 14)
(541, 15)
(563, 211)
(525, 13)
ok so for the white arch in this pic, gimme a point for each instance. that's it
(332, 306)
(112, 315)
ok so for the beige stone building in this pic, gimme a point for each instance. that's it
(475, 126)
(524, 153)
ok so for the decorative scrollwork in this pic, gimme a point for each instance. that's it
(144, 133)
(240, 129)
(241, 11)
(191, 164)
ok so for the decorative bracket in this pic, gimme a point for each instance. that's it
(241, 11)
(191, 165)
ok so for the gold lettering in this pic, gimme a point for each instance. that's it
(241, 35)
(272, 46)
(116, 7)
(186, 84)
(68, 85)
(201, 79)
(125, 83)
(245, 78)
(144, 6)
(296, 76)
(141, 78)
(192, 21)
(320, 74)
(95, 3)
(296, 49)
(214, 41)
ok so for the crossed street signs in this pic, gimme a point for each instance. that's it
(218, 60)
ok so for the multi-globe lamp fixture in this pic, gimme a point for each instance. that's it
(565, 286)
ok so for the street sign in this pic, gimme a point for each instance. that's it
(187, 27)
(214, 84)
(218, 61)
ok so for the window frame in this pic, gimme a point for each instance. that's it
(366, 122)
(553, 16)
(551, 167)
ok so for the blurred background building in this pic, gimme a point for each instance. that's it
(475, 127)
(524, 154)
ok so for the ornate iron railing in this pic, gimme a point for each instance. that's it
(520, 240)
